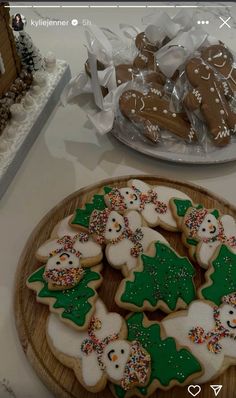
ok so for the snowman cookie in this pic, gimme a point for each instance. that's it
(209, 332)
(151, 201)
(162, 280)
(101, 353)
(66, 258)
(203, 230)
(124, 235)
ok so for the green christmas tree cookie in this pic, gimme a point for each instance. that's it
(221, 276)
(75, 306)
(82, 216)
(170, 365)
(163, 279)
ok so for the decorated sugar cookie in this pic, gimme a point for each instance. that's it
(150, 200)
(66, 258)
(63, 228)
(124, 236)
(209, 332)
(101, 353)
(221, 276)
(163, 279)
(80, 218)
(203, 229)
(76, 305)
(170, 364)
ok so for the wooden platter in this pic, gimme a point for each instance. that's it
(31, 316)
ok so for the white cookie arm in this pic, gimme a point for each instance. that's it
(205, 252)
(88, 249)
(140, 185)
(200, 314)
(135, 219)
(91, 372)
(229, 226)
(63, 228)
(63, 338)
(149, 236)
(119, 254)
(47, 247)
(110, 322)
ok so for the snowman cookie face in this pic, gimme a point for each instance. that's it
(131, 198)
(115, 226)
(115, 357)
(209, 227)
(228, 317)
(63, 260)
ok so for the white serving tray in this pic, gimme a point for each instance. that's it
(19, 137)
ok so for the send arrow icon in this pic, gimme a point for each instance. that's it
(216, 388)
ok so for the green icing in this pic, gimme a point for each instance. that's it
(166, 277)
(82, 216)
(223, 277)
(168, 363)
(216, 213)
(182, 206)
(192, 242)
(74, 301)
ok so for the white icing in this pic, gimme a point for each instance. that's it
(115, 226)
(115, 357)
(134, 219)
(63, 260)
(209, 228)
(63, 228)
(164, 195)
(68, 341)
(131, 198)
(119, 254)
(199, 314)
(87, 249)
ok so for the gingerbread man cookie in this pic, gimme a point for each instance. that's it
(152, 111)
(209, 332)
(208, 94)
(222, 60)
(146, 56)
(129, 72)
(101, 353)
(124, 235)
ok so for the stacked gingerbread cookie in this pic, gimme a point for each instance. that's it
(122, 228)
(195, 105)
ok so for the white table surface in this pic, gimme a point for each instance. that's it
(69, 155)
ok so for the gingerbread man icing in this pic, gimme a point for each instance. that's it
(208, 94)
(209, 332)
(124, 236)
(152, 111)
(221, 59)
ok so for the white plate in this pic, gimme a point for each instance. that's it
(191, 155)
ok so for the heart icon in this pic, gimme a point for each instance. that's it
(194, 390)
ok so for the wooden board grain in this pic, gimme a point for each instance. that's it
(31, 316)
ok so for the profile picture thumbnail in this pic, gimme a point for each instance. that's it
(18, 22)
